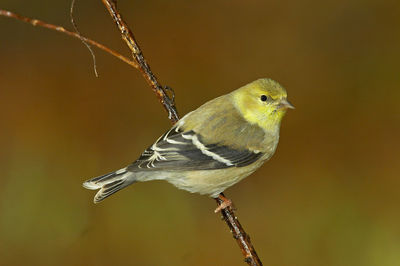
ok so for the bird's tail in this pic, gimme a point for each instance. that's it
(109, 183)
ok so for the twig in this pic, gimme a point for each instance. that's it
(71, 15)
(144, 68)
(242, 238)
(40, 23)
(228, 214)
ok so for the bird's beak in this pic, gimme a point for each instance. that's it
(285, 104)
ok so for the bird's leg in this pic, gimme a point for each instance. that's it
(224, 203)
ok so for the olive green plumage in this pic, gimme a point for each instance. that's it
(211, 148)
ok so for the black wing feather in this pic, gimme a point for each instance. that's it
(176, 150)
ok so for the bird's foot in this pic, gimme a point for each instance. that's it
(225, 203)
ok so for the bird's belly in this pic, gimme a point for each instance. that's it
(211, 182)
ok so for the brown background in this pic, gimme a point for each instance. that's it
(329, 196)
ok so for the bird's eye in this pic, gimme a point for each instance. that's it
(264, 98)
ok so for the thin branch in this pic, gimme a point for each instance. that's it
(71, 15)
(128, 37)
(242, 238)
(40, 23)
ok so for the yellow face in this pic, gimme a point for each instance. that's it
(263, 102)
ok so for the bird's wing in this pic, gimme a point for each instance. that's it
(178, 150)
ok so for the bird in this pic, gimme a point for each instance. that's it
(211, 148)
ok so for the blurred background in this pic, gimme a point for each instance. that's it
(329, 196)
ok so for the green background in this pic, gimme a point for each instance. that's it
(329, 196)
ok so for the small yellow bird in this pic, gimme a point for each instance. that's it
(211, 148)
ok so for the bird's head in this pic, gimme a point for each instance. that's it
(263, 102)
